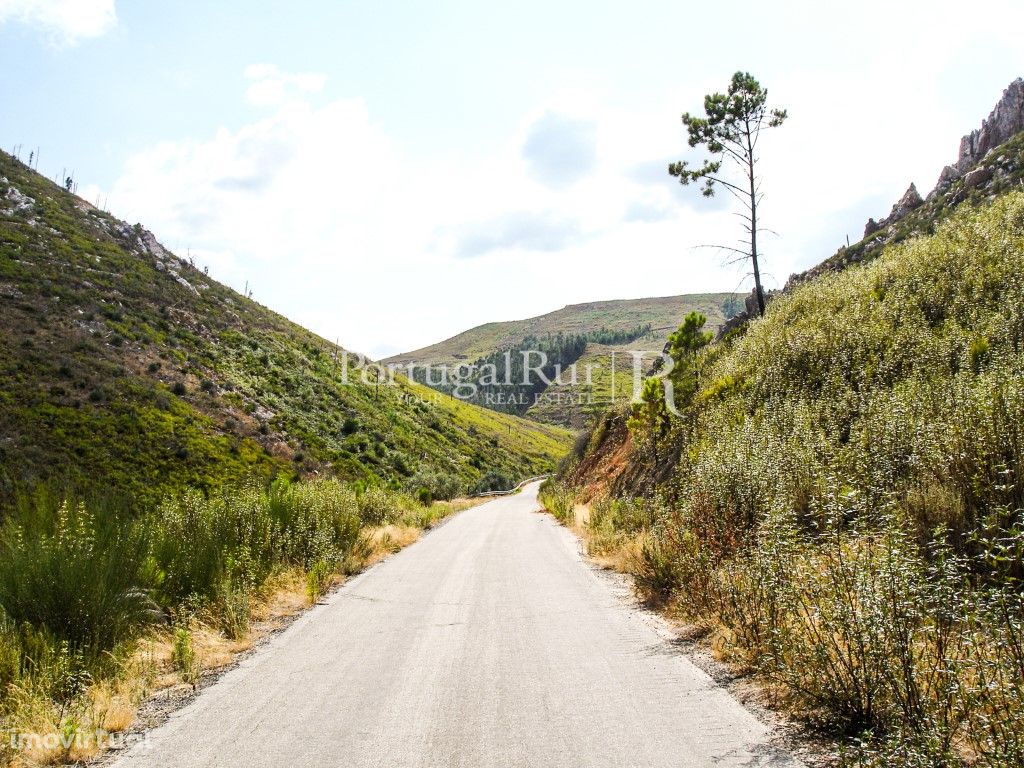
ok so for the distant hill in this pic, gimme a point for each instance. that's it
(645, 322)
(122, 367)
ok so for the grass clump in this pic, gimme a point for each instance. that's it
(559, 499)
(183, 655)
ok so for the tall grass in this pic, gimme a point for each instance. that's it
(80, 584)
(79, 576)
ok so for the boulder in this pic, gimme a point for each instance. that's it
(977, 177)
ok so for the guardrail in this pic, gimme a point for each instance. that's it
(509, 492)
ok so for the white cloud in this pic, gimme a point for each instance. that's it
(333, 225)
(338, 225)
(272, 87)
(65, 21)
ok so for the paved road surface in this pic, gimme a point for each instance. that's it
(488, 643)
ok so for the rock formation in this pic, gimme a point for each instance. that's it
(1006, 120)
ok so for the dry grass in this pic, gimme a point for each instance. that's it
(614, 552)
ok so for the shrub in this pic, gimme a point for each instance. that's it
(376, 507)
(847, 495)
(317, 580)
(10, 653)
(235, 609)
(441, 486)
(81, 579)
(558, 499)
(494, 480)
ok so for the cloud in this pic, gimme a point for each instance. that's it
(340, 228)
(519, 231)
(559, 150)
(66, 22)
(645, 211)
(654, 173)
(271, 87)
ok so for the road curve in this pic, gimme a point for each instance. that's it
(488, 643)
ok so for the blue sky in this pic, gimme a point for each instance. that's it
(392, 173)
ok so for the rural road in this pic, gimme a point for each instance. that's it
(488, 643)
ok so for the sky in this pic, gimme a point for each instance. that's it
(389, 174)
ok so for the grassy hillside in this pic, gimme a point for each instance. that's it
(840, 503)
(575, 405)
(121, 365)
(663, 314)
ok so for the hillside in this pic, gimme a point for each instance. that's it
(123, 366)
(838, 506)
(644, 324)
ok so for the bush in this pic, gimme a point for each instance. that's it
(494, 481)
(65, 571)
(558, 499)
(376, 506)
(317, 580)
(847, 495)
(441, 486)
(183, 656)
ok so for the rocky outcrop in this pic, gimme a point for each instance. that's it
(911, 199)
(977, 177)
(750, 310)
(16, 200)
(991, 161)
(1005, 122)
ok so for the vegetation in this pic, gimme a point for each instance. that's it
(730, 131)
(84, 589)
(611, 329)
(1007, 162)
(843, 510)
(512, 380)
(125, 370)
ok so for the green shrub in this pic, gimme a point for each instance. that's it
(376, 506)
(235, 609)
(847, 495)
(10, 654)
(558, 499)
(440, 485)
(318, 578)
(80, 578)
(494, 480)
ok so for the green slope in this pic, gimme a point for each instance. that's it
(849, 471)
(663, 314)
(575, 405)
(123, 366)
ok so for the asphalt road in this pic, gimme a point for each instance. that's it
(488, 643)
